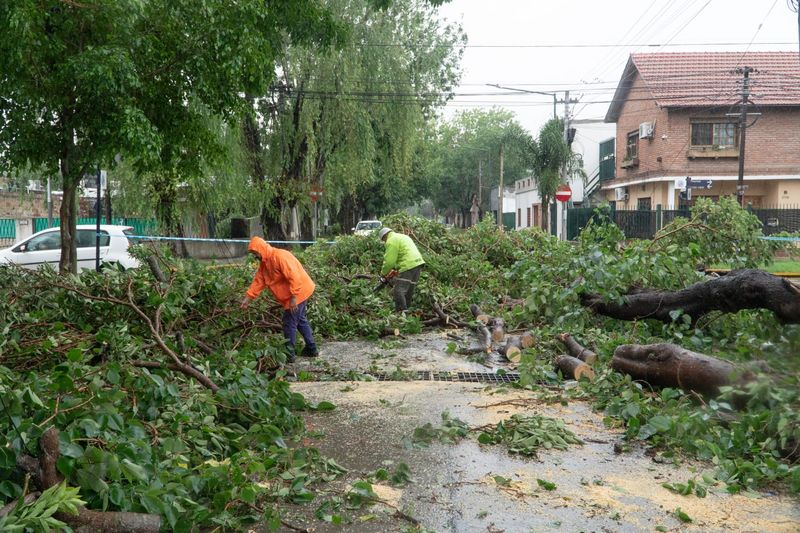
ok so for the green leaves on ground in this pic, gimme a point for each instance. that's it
(526, 435)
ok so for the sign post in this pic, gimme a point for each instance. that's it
(563, 194)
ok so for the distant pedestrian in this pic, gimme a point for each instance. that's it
(402, 255)
(290, 284)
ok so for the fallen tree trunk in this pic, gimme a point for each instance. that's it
(573, 368)
(44, 475)
(741, 289)
(576, 350)
(669, 365)
(512, 349)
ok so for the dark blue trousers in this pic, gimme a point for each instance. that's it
(297, 321)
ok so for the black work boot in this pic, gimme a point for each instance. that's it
(309, 352)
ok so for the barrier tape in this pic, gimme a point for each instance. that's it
(202, 239)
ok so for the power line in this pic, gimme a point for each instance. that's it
(571, 45)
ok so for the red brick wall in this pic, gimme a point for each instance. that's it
(773, 142)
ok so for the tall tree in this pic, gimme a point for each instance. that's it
(81, 82)
(553, 161)
(352, 120)
(466, 153)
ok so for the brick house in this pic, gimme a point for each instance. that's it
(677, 117)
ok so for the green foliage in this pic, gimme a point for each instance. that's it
(719, 232)
(526, 435)
(152, 440)
(469, 140)
(38, 515)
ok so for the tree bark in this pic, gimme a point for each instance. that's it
(574, 368)
(669, 365)
(740, 289)
(68, 263)
(576, 350)
(484, 336)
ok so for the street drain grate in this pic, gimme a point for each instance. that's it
(467, 377)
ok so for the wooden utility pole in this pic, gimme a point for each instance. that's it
(500, 195)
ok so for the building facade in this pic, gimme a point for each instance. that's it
(677, 117)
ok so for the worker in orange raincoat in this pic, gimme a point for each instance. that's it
(291, 286)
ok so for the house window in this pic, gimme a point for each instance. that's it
(723, 134)
(632, 148)
(529, 217)
(519, 217)
(643, 204)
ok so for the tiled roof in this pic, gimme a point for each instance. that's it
(701, 79)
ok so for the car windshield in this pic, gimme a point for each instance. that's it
(368, 225)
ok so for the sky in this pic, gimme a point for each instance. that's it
(553, 45)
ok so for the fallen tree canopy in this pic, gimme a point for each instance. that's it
(740, 289)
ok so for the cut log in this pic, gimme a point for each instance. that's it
(527, 339)
(741, 289)
(390, 332)
(479, 315)
(498, 329)
(669, 365)
(512, 349)
(573, 368)
(576, 350)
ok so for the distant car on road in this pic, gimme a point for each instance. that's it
(367, 227)
(44, 248)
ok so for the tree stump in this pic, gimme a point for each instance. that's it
(512, 350)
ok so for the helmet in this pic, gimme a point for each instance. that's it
(382, 233)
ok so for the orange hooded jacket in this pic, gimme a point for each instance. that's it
(281, 272)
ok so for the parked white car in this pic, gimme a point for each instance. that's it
(367, 227)
(45, 248)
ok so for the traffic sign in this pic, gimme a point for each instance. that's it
(699, 184)
(316, 193)
(563, 193)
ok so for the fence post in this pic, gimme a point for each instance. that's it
(659, 218)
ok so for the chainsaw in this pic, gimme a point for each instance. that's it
(385, 280)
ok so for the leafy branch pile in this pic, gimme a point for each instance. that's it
(137, 435)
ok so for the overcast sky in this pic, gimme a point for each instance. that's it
(521, 43)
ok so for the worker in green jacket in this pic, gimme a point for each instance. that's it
(402, 256)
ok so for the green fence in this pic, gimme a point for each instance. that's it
(141, 226)
(8, 230)
(644, 224)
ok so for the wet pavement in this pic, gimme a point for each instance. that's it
(453, 487)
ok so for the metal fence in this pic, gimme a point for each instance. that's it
(644, 224)
(8, 232)
(141, 226)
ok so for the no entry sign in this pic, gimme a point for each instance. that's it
(563, 193)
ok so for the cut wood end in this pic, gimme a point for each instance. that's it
(584, 371)
(563, 337)
(498, 336)
(483, 318)
(526, 340)
(514, 355)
